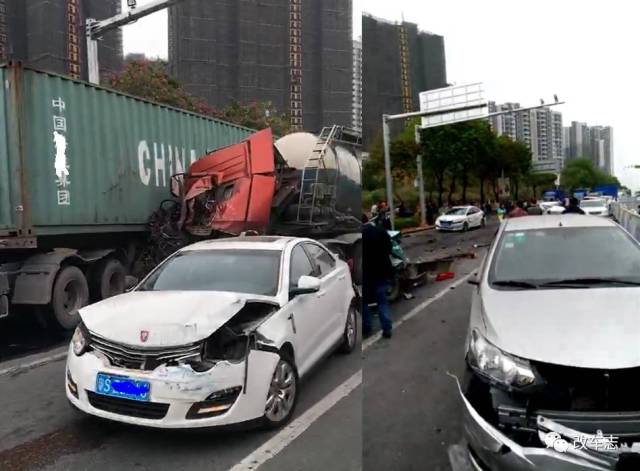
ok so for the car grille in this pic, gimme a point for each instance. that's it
(138, 358)
(586, 389)
(131, 408)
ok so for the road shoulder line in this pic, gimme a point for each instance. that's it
(417, 310)
(282, 439)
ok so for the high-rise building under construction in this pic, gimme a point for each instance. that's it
(50, 35)
(296, 54)
(398, 62)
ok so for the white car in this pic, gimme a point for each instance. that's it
(460, 218)
(219, 333)
(547, 206)
(595, 207)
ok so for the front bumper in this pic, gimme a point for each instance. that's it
(491, 449)
(454, 226)
(179, 387)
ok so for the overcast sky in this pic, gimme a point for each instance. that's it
(583, 50)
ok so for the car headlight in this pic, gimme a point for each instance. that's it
(491, 362)
(80, 340)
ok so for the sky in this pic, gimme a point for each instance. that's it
(582, 50)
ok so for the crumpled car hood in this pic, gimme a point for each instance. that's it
(170, 317)
(589, 328)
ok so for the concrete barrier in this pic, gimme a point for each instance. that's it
(627, 218)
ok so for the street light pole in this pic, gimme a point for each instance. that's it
(385, 135)
(96, 29)
(387, 168)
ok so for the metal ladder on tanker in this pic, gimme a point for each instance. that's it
(315, 165)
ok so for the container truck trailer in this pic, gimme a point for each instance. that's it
(82, 168)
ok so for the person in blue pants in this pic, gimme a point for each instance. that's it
(377, 270)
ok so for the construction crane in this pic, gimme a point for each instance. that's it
(96, 29)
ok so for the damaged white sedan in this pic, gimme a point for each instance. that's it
(217, 334)
(553, 352)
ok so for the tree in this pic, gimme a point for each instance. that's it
(540, 180)
(256, 115)
(403, 152)
(514, 158)
(149, 80)
(581, 173)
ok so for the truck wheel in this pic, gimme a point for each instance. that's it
(108, 279)
(70, 293)
(357, 263)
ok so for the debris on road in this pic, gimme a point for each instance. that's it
(445, 276)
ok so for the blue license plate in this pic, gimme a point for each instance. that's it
(121, 386)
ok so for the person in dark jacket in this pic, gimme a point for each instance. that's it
(377, 271)
(574, 207)
(431, 212)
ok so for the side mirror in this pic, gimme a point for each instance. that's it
(130, 282)
(306, 285)
(474, 280)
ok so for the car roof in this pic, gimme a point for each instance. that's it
(548, 221)
(462, 207)
(244, 243)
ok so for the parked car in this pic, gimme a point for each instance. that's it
(546, 361)
(546, 206)
(219, 333)
(595, 206)
(460, 218)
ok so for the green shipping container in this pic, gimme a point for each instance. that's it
(80, 159)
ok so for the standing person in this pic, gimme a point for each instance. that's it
(487, 209)
(534, 209)
(500, 212)
(431, 209)
(573, 207)
(377, 271)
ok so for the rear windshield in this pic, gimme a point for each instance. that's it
(592, 203)
(545, 255)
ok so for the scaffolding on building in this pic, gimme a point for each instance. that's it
(407, 99)
(295, 64)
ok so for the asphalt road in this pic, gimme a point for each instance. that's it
(411, 410)
(403, 416)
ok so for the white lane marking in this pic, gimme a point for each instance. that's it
(416, 310)
(278, 442)
(34, 364)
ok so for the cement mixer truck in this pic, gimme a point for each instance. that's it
(302, 185)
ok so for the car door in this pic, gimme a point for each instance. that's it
(476, 216)
(333, 278)
(305, 311)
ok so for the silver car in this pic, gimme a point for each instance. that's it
(553, 348)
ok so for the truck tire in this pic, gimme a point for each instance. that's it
(108, 279)
(70, 293)
(357, 263)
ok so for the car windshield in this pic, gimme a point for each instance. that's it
(242, 271)
(591, 203)
(456, 212)
(565, 253)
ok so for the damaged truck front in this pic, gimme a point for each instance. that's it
(221, 378)
(302, 185)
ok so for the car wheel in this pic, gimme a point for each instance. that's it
(465, 227)
(283, 393)
(350, 335)
(70, 293)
